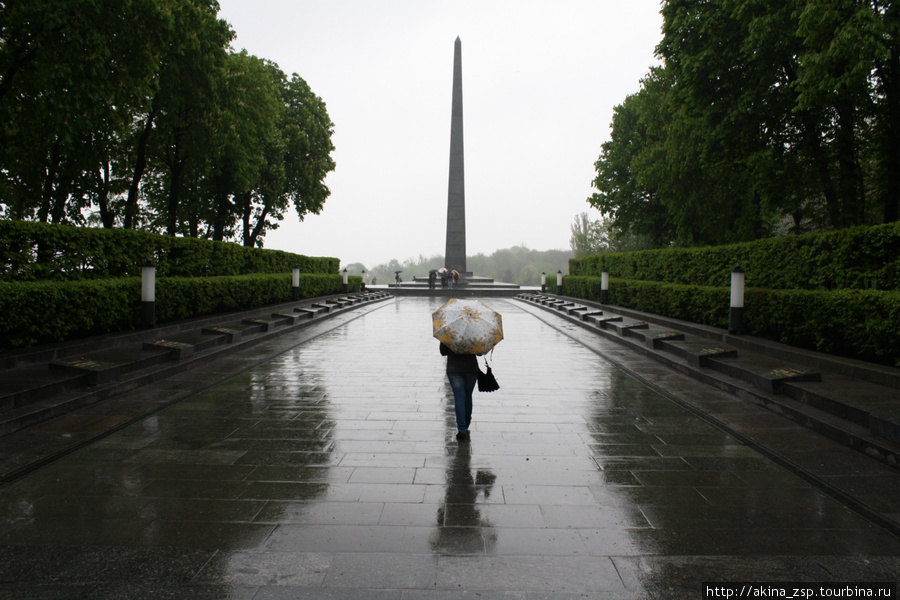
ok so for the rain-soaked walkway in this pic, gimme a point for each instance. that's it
(331, 471)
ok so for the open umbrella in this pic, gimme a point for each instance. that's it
(467, 326)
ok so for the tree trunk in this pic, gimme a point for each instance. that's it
(852, 199)
(222, 213)
(813, 141)
(174, 198)
(58, 206)
(821, 163)
(139, 167)
(797, 218)
(258, 228)
(107, 217)
(890, 85)
(51, 175)
(246, 212)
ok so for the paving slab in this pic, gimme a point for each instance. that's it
(324, 465)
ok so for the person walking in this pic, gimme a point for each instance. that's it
(462, 372)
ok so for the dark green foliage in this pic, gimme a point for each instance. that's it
(697, 304)
(856, 258)
(763, 118)
(185, 297)
(139, 114)
(31, 251)
(861, 324)
(44, 312)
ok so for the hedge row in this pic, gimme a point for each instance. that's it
(46, 312)
(856, 258)
(862, 324)
(31, 251)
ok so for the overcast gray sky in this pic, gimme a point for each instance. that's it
(540, 80)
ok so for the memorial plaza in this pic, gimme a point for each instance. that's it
(323, 463)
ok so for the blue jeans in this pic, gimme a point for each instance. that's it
(463, 384)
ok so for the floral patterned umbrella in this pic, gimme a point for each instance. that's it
(467, 326)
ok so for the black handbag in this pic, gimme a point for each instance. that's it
(486, 381)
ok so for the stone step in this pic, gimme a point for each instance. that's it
(763, 372)
(832, 404)
(311, 311)
(624, 326)
(584, 316)
(268, 323)
(105, 366)
(198, 340)
(493, 291)
(290, 318)
(696, 352)
(653, 335)
(602, 320)
(36, 392)
(877, 409)
(34, 382)
(177, 350)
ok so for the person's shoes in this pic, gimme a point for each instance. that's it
(463, 436)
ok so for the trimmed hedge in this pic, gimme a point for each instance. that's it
(31, 251)
(704, 305)
(46, 312)
(861, 324)
(856, 258)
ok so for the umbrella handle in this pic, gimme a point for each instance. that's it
(486, 362)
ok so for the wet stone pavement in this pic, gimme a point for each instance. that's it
(331, 471)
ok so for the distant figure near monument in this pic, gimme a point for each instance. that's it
(455, 255)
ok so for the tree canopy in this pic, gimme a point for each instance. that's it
(139, 114)
(764, 118)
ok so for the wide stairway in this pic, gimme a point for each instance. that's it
(43, 383)
(850, 401)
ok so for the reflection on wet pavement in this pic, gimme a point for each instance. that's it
(332, 471)
(461, 527)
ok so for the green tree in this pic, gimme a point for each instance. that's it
(306, 130)
(588, 236)
(275, 150)
(245, 128)
(137, 111)
(837, 60)
(887, 70)
(719, 150)
(170, 143)
(763, 113)
(72, 77)
(631, 166)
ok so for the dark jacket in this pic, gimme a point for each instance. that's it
(459, 363)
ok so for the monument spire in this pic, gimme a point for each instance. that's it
(455, 256)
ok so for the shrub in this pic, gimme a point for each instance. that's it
(44, 311)
(31, 251)
(861, 324)
(855, 258)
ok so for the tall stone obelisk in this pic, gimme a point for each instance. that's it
(455, 256)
